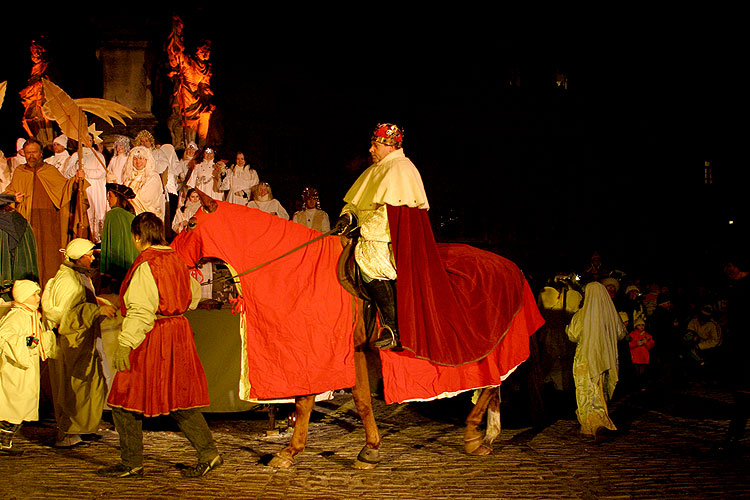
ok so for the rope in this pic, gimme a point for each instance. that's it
(252, 269)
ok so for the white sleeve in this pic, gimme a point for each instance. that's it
(141, 301)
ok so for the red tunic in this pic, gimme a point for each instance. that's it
(165, 371)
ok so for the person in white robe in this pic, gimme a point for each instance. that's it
(184, 170)
(60, 148)
(120, 148)
(139, 175)
(5, 172)
(180, 223)
(311, 215)
(165, 163)
(24, 342)
(205, 176)
(20, 158)
(596, 329)
(95, 169)
(237, 181)
(70, 304)
(263, 200)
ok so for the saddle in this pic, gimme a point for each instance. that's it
(350, 278)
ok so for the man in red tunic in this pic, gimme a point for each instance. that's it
(158, 368)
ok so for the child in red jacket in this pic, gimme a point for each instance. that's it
(641, 343)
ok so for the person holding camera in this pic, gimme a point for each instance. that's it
(24, 342)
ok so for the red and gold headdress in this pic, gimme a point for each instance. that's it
(388, 134)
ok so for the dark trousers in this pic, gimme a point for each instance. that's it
(129, 426)
(740, 415)
(383, 295)
(7, 431)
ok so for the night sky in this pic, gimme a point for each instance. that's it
(542, 176)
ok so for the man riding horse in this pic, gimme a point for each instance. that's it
(391, 182)
(388, 206)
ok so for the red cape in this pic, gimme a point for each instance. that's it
(455, 302)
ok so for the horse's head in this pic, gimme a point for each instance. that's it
(209, 204)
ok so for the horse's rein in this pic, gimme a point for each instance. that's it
(225, 278)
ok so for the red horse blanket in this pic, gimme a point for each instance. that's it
(300, 319)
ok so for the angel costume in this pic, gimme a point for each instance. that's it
(202, 178)
(237, 181)
(93, 165)
(595, 328)
(145, 183)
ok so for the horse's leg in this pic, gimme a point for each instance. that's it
(369, 456)
(303, 409)
(493, 418)
(473, 438)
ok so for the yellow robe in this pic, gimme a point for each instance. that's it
(79, 387)
(19, 366)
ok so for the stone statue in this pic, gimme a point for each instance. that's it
(32, 97)
(191, 99)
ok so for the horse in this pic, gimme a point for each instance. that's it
(303, 332)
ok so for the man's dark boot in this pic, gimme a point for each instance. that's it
(7, 430)
(383, 293)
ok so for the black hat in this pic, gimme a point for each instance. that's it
(121, 189)
(6, 199)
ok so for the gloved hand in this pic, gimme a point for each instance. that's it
(344, 223)
(121, 359)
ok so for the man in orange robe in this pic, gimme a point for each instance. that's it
(43, 197)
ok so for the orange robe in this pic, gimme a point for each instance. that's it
(47, 209)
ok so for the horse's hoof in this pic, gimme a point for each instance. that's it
(281, 460)
(477, 446)
(483, 449)
(367, 459)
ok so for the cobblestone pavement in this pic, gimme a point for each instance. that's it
(663, 450)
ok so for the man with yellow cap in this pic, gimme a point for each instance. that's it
(23, 343)
(70, 304)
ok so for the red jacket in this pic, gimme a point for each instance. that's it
(639, 353)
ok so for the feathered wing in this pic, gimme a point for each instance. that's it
(70, 114)
(61, 108)
(105, 109)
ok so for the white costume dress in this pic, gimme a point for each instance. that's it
(207, 269)
(94, 166)
(238, 181)
(145, 183)
(271, 206)
(314, 218)
(58, 160)
(115, 168)
(202, 178)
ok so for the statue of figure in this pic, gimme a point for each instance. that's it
(191, 99)
(32, 97)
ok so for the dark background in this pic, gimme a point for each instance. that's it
(542, 175)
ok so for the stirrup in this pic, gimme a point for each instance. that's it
(388, 339)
